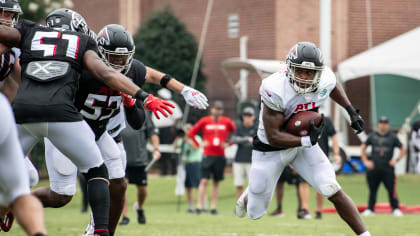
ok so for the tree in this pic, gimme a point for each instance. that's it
(37, 10)
(163, 43)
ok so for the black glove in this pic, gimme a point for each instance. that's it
(357, 122)
(315, 132)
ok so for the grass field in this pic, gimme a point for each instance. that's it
(164, 220)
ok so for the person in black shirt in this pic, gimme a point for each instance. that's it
(52, 60)
(243, 136)
(380, 165)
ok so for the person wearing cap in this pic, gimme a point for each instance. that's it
(243, 136)
(167, 133)
(380, 165)
(215, 130)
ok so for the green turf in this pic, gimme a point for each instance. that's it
(163, 218)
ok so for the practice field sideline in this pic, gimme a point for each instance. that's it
(164, 220)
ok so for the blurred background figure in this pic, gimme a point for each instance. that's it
(329, 132)
(415, 139)
(167, 133)
(380, 165)
(135, 142)
(243, 136)
(290, 176)
(191, 155)
(216, 130)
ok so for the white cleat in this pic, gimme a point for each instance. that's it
(240, 208)
(368, 213)
(397, 213)
(90, 229)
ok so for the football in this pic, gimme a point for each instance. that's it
(298, 124)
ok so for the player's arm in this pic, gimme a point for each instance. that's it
(273, 122)
(116, 80)
(339, 96)
(11, 84)
(9, 36)
(194, 130)
(135, 115)
(192, 96)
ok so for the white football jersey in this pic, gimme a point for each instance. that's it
(278, 94)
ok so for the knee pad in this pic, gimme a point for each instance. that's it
(258, 181)
(96, 172)
(328, 190)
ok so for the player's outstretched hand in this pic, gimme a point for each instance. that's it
(357, 122)
(127, 100)
(155, 104)
(194, 98)
(315, 132)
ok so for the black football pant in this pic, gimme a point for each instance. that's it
(374, 179)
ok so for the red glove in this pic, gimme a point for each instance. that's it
(155, 104)
(127, 100)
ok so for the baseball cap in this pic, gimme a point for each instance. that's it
(218, 104)
(383, 119)
(248, 111)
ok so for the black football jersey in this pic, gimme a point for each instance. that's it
(98, 103)
(51, 62)
(7, 61)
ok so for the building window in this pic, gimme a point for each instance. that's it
(233, 26)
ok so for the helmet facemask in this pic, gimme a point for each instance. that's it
(16, 13)
(110, 58)
(305, 56)
(301, 85)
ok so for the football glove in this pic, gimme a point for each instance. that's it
(154, 104)
(127, 100)
(315, 132)
(194, 98)
(357, 122)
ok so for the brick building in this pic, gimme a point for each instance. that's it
(272, 27)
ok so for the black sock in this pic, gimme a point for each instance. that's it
(98, 194)
(279, 207)
(111, 233)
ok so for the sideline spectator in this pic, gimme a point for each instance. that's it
(415, 139)
(216, 130)
(191, 155)
(243, 136)
(135, 142)
(167, 133)
(381, 165)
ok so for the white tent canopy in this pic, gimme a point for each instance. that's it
(262, 67)
(399, 56)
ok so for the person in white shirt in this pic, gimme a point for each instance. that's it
(304, 84)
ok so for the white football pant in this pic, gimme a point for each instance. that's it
(310, 163)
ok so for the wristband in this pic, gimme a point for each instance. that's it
(142, 95)
(165, 80)
(306, 141)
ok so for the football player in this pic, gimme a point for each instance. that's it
(304, 84)
(10, 11)
(52, 59)
(104, 109)
(14, 179)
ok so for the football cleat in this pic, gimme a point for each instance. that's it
(240, 208)
(368, 213)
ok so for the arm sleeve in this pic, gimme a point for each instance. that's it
(271, 99)
(195, 129)
(135, 115)
(397, 142)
